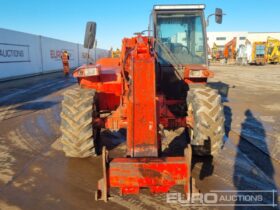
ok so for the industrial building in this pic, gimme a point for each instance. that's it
(221, 38)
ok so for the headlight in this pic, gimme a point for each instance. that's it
(195, 73)
(93, 71)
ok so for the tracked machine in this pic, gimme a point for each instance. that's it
(273, 50)
(230, 51)
(258, 55)
(159, 82)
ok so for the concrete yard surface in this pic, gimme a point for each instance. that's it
(35, 174)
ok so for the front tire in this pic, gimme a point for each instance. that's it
(78, 111)
(206, 109)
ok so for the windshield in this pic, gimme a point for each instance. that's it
(183, 35)
(269, 50)
(260, 50)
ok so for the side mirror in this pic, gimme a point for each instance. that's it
(90, 35)
(219, 15)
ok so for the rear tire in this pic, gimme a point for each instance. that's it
(78, 110)
(206, 136)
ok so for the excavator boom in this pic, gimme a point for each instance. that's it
(230, 49)
(273, 50)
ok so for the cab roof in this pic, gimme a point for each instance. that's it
(179, 7)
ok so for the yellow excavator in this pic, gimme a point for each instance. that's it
(258, 55)
(114, 53)
(273, 50)
(217, 53)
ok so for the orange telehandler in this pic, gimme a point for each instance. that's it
(159, 82)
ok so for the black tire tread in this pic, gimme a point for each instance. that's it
(208, 131)
(76, 122)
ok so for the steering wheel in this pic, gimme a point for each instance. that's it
(183, 46)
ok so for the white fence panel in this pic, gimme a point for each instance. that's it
(23, 54)
(83, 54)
(19, 54)
(51, 52)
(101, 53)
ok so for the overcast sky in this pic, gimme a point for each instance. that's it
(66, 19)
